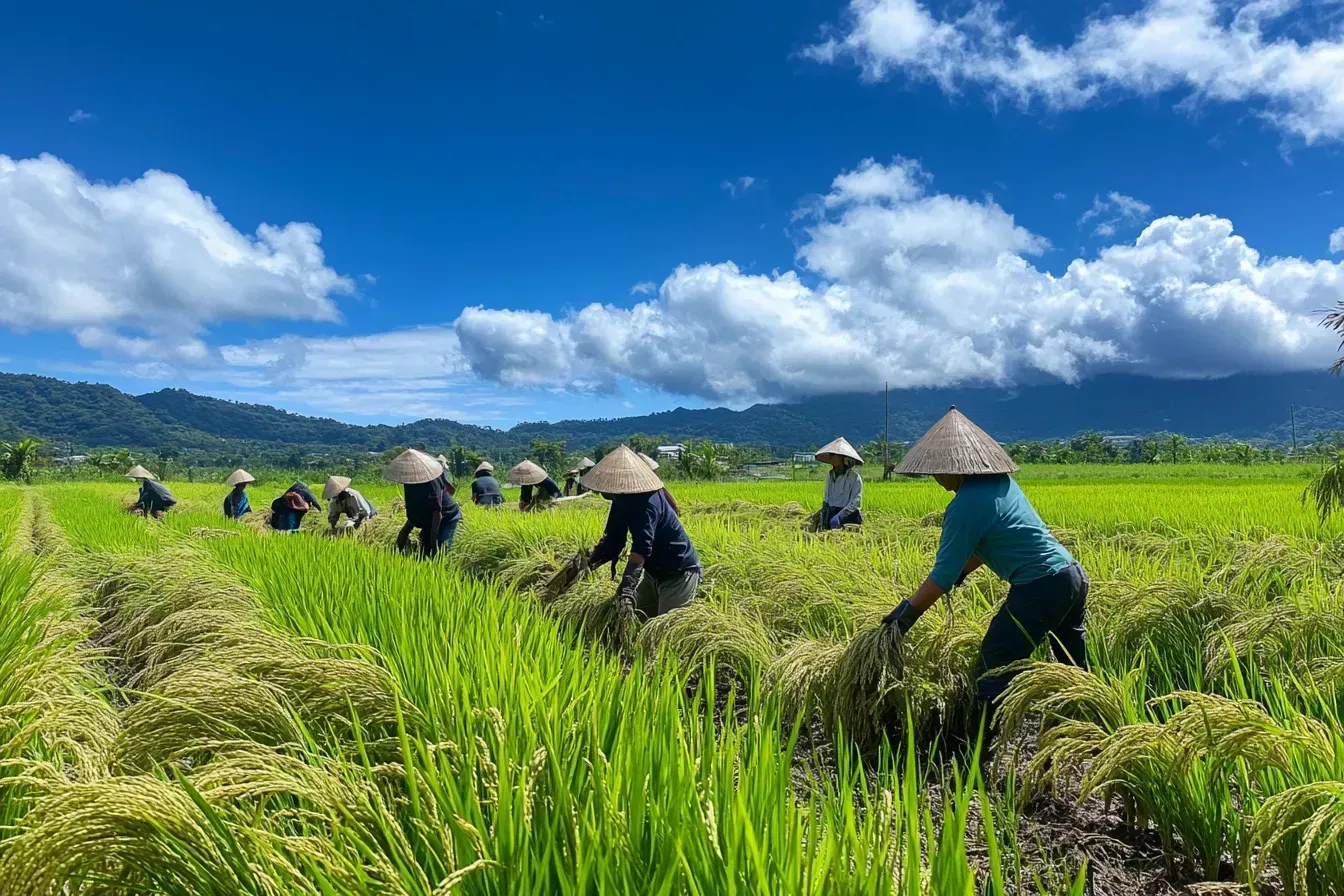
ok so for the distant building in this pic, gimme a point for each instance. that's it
(71, 460)
(672, 452)
(804, 458)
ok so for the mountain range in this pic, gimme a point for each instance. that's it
(90, 415)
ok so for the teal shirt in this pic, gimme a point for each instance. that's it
(991, 518)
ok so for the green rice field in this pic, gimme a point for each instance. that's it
(198, 706)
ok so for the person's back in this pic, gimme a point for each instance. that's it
(155, 497)
(301, 489)
(992, 518)
(287, 511)
(485, 491)
(354, 505)
(655, 527)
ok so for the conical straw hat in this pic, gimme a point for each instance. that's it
(485, 466)
(653, 464)
(239, 477)
(586, 464)
(841, 448)
(622, 473)
(335, 485)
(138, 472)
(412, 467)
(526, 473)
(956, 446)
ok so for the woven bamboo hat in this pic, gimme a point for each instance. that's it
(413, 467)
(485, 467)
(526, 473)
(839, 448)
(335, 485)
(586, 464)
(622, 473)
(239, 477)
(653, 464)
(138, 472)
(956, 446)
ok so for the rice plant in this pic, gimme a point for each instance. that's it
(318, 714)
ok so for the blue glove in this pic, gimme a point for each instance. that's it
(835, 521)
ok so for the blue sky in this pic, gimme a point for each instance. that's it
(528, 210)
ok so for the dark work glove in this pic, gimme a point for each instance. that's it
(625, 592)
(903, 617)
(600, 554)
(835, 521)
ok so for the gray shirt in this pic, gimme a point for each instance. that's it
(844, 492)
(352, 504)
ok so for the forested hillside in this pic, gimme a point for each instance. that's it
(90, 415)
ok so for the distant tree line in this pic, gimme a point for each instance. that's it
(1169, 448)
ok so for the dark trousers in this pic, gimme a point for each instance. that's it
(1055, 606)
(823, 518)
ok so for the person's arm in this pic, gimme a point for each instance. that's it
(642, 530)
(435, 519)
(334, 512)
(613, 537)
(971, 566)
(404, 536)
(962, 528)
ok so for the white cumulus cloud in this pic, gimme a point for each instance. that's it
(1337, 240)
(898, 283)
(1244, 51)
(144, 267)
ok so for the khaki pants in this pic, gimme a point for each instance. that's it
(654, 597)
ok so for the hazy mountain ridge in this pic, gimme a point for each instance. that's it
(1244, 406)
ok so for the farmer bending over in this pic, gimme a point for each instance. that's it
(530, 477)
(288, 511)
(154, 499)
(430, 506)
(663, 570)
(342, 499)
(990, 522)
(842, 501)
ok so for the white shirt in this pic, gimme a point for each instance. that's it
(844, 491)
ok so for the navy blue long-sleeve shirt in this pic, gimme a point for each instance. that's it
(655, 533)
(423, 498)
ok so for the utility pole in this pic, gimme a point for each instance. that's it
(886, 431)
(1292, 415)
